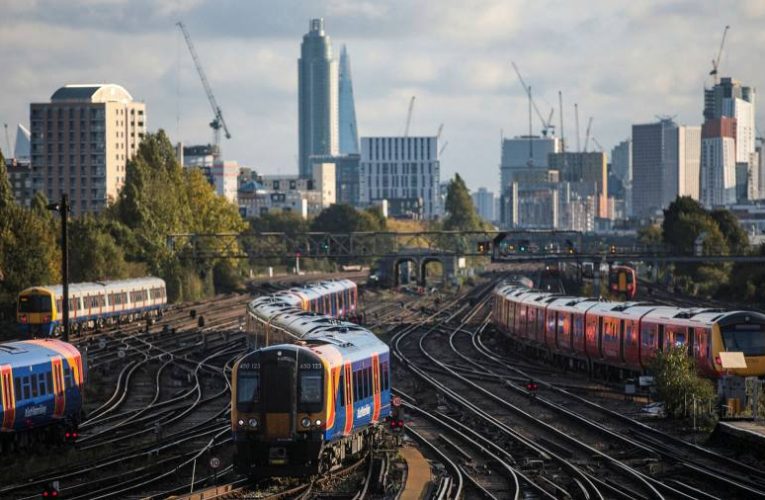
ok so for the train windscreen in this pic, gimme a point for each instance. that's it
(248, 388)
(34, 304)
(746, 338)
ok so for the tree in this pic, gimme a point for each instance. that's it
(97, 256)
(679, 385)
(735, 237)
(650, 235)
(6, 192)
(461, 213)
(280, 222)
(343, 218)
(683, 222)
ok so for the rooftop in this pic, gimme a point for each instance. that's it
(92, 92)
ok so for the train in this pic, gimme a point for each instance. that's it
(622, 280)
(303, 407)
(620, 339)
(41, 392)
(39, 309)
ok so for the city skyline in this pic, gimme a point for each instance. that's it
(455, 60)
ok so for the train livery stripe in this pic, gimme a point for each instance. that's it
(334, 380)
(349, 413)
(7, 396)
(377, 407)
(59, 393)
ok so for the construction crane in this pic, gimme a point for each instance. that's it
(576, 119)
(716, 62)
(441, 151)
(218, 122)
(547, 126)
(440, 129)
(560, 112)
(409, 117)
(600, 147)
(587, 134)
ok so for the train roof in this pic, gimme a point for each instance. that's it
(102, 286)
(31, 352)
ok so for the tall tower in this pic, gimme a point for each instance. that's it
(317, 97)
(349, 135)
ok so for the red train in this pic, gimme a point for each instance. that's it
(623, 280)
(622, 338)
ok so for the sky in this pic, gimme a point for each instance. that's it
(623, 62)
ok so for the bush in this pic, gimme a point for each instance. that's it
(679, 385)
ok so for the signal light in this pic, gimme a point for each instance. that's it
(532, 387)
(23, 319)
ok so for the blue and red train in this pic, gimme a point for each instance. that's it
(41, 392)
(302, 408)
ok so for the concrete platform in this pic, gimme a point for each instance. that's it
(746, 435)
(418, 475)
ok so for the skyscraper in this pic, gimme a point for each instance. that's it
(81, 143)
(730, 99)
(349, 134)
(621, 161)
(317, 98)
(483, 199)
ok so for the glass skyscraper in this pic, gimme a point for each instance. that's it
(349, 134)
(317, 97)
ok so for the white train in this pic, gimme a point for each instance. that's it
(40, 309)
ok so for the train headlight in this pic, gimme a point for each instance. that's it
(306, 422)
(253, 422)
(241, 423)
(318, 422)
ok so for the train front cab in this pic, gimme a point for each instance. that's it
(279, 412)
(36, 313)
(740, 331)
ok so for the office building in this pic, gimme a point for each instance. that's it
(521, 158)
(483, 199)
(718, 162)
(317, 98)
(666, 163)
(346, 176)
(401, 170)
(588, 170)
(349, 135)
(20, 178)
(81, 142)
(621, 166)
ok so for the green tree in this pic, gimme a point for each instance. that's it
(6, 192)
(650, 235)
(461, 214)
(280, 222)
(735, 237)
(97, 255)
(343, 218)
(679, 385)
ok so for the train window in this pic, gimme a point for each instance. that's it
(310, 386)
(34, 303)
(33, 386)
(68, 378)
(49, 380)
(384, 377)
(746, 338)
(367, 382)
(26, 388)
(248, 387)
(17, 387)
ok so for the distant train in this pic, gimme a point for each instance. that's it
(623, 280)
(41, 392)
(301, 408)
(39, 309)
(620, 338)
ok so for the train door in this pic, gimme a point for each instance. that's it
(621, 340)
(59, 386)
(660, 347)
(348, 394)
(691, 340)
(7, 397)
(599, 337)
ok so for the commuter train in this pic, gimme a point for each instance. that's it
(41, 392)
(301, 408)
(40, 312)
(334, 298)
(623, 280)
(621, 338)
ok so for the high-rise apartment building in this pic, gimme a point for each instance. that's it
(403, 170)
(349, 134)
(483, 199)
(718, 162)
(621, 165)
(525, 152)
(665, 164)
(81, 143)
(731, 99)
(317, 98)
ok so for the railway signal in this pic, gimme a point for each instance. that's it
(484, 247)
